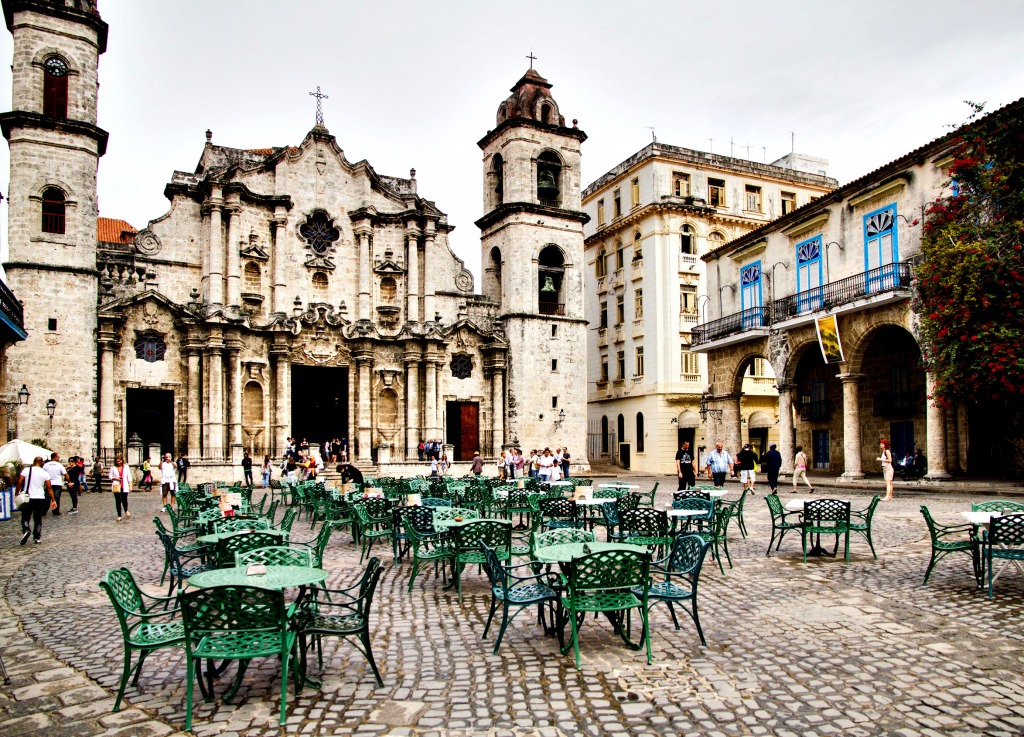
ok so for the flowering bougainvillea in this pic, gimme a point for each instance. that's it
(971, 283)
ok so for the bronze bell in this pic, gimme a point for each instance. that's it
(549, 285)
(547, 189)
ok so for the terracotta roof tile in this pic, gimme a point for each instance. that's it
(260, 151)
(109, 230)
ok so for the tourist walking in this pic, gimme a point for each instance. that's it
(719, 464)
(800, 468)
(183, 465)
(76, 474)
(97, 475)
(58, 475)
(147, 476)
(36, 482)
(443, 465)
(168, 486)
(247, 469)
(267, 470)
(771, 464)
(565, 463)
(84, 477)
(120, 484)
(686, 467)
(887, 471)
(477, 467)
(746, 461)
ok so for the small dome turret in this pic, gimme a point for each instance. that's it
(531, 99)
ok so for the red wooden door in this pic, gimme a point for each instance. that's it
(469, 437)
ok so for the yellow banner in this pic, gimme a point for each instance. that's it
(828, 339)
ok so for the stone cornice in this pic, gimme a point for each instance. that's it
(23, 119)
(511, 208)
(560, 130)
(198, 192)
(42, 7)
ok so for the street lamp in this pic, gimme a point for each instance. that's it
(9, 406)
(51, 407)
(704, 305)
(842, 248)
(704, 411)
(561, 418)
(783, 264)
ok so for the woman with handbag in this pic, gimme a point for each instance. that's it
(33, 489)
(121, 484)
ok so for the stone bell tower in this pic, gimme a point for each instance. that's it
(532, 256)
(55, 147)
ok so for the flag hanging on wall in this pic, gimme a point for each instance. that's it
(828, 339)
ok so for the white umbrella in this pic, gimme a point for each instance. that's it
(19, 450)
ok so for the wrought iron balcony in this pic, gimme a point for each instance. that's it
(753, 317)
(552, 308)
(883, 279)
(12, 316)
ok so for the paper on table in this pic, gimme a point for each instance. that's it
(413, 500)
(256, 569)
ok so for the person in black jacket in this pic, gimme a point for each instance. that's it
(746, 459)
(771, 464)
(350, 473)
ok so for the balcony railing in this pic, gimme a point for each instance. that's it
(754, 317)
(883, 279)
(12, 312)
(552, 308)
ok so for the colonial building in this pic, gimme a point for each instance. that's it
(652, 218)
(287, 290)
(848, 254)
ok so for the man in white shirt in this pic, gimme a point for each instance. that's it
(58, 475)
(36, 482)
(546, 461)
(168, 485)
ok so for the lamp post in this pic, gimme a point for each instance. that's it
(560, 419)
(716, 414)
(21, 399)
(721, 309)
(784, 265)
(702, 306)
(51, 407)
(842, 248)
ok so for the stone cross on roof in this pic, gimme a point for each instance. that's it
(320, 97)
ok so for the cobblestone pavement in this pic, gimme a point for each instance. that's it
(793, 649)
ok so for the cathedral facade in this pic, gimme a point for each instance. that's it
(287, 291)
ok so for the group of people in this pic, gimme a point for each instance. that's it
(546, 465)
(719, 464)
(430, 450)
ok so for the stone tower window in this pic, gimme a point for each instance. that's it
(551, 269)
(388, 289)
(498, 171)
(549, 174)
(253, 278)
(545, 113)
(150, 347)
(53, 210)
(320, 285)
(55, 88)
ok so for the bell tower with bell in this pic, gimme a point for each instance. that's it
(532, 257)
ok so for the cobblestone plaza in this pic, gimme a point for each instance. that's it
(793, 649)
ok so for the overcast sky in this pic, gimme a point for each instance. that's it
(416, 84)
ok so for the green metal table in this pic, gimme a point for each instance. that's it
(215, 537)
(565, 552)
(276, 577)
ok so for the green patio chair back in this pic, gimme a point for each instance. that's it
(428, 548)
(827, 517)
(645, 526)
(560, 536)
(402, 519)
(288, 519)
(181, 563)
(860, 522)
(237, 524)
(342, 613)
(780, 525)
(468, 539)
(674, 579)
(226, 549)
(510, 589)
(234, 623)
(272, 510)
(997, 505)
(277, 555)
(948, 539)
(1004, 541)
(558, 512)
(604, 582)
(375, 523)
(690, 494)
(433, 501)
(147, 623)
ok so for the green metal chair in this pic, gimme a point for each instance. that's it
(1004, 541)
(997, 505)
(647, 497)
(318, 545)
(674, 578)
(341, 613)
(422, 518)
(375, 523)
(234, 623)
(948, 539)
(467, 540)
(780, 525)
(605, 582)
(143, 628)
(178, 540)
(225, 550)
(272, 510)
(237, 524)
(738, 513)
(513, 590)
(718, 536)
(697, 521)
(645, 526)
(612, 514)
(560, 512)
(827, 517)
(860, 522)
(181, 564)
(288, 519)
(278, 555)
(560, 536)
(433, 548)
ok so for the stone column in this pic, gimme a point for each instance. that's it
(412, 265)
(730, 432)
(107, 347)
(280, 246)
(282, 394)
(194, 399)
(363, 232)
(215, 400)
(235, 402)
(429, 283)
(430, 427)
(786, 426)
(851, 427)
(497, 409)
(234, 294)
(363, 423)
(935, 429)
(215, 288)
(412, 405)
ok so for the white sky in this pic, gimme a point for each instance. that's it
(416, 84)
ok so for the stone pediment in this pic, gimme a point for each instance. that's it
(150, 299)
(389, 267)
(254, 250)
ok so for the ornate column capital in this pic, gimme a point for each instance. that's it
(850, 378)
(362, 229)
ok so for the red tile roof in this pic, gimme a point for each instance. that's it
(109, 230)
(261, 151)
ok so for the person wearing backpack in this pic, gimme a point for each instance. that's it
(36, 483)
